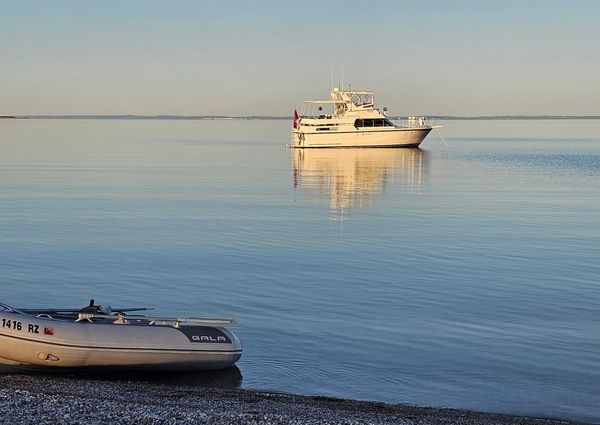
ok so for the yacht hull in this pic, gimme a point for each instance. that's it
(393, 138)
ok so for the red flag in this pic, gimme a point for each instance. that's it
(48, 331)
(295, 119)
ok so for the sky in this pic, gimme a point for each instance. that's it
(266, 57)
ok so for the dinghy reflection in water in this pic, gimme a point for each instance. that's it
(100, 337)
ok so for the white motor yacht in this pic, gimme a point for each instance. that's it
(353, 121)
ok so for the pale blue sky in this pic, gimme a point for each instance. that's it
(265, 57)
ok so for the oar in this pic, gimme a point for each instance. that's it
(215, 321)
(75, 311)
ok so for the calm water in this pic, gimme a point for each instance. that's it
(463, 276)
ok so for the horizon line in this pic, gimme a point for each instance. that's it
(279, 117)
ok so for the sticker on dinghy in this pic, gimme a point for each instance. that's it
(204, 334)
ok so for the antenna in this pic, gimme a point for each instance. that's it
(342, 77)
(331, 69)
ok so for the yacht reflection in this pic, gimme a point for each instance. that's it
(353, 178)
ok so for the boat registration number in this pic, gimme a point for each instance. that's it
(12, 324)
(18, 326)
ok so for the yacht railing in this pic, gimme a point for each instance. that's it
(416, 122)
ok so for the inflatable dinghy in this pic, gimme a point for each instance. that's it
(103, 337)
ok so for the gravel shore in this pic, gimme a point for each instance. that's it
(123, 399)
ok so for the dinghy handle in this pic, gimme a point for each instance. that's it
(9, 308)
(6, 307)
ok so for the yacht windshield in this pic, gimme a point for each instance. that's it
(362, 98)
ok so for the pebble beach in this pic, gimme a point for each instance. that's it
(70, 399)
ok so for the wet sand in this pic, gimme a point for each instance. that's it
(69, 399)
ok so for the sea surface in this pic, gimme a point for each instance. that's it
(464, 275)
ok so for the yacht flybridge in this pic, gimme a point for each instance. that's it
(353, 121)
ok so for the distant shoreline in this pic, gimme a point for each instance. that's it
(269, 117)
